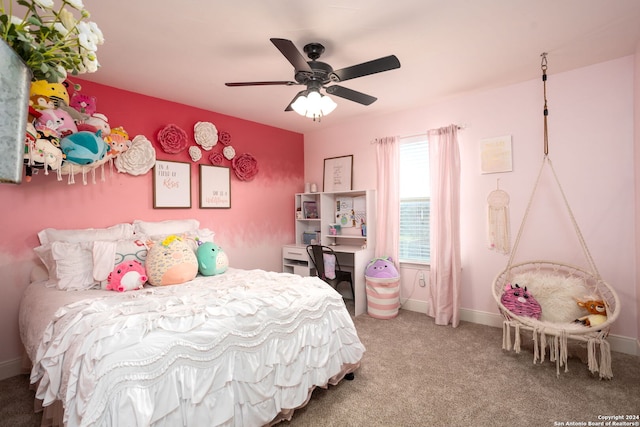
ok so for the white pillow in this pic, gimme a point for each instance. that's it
(116, 232)
(155, 229)
(74, 265)
(131, 249)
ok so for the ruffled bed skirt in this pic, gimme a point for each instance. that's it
(53, 414)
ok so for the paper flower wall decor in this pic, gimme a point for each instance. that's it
(195, 153)
(172, 139)
(138, 159)
(224, 138)
(216, 159)
(245, 166)
(206, 135)
(229, 152)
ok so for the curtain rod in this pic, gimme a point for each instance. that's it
(460, 127)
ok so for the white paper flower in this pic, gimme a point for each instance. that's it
(229, 152)
(206, 135)
(138, 159)
(195, 153)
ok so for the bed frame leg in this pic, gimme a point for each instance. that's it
(350, 376)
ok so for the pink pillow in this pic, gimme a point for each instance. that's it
(329, 266)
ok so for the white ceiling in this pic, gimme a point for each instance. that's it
(185, 51)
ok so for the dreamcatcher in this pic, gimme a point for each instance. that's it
(498, 221)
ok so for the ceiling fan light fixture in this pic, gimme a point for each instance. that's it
(313, 105)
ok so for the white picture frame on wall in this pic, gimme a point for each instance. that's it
(496, 155)
(171, 185)
(215, 187)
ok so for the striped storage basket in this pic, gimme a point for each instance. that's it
(383, 297)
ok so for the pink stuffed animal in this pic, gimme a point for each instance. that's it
(127, 276)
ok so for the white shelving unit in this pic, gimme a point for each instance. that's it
(353, 249)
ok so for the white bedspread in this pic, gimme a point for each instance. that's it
(234, 349)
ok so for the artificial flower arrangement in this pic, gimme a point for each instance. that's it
(50, 39)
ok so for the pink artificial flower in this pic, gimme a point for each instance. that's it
(172, 139)
(224, 138)
(216, 159)
(245, 167)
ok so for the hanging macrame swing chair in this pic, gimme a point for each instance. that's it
(555, 335)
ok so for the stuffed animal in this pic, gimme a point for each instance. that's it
(212, 259)
(171, 262)
(127, 276)
(381, 268)
(520, 302)
(83, 148)
(58, 120)
(597, 312)
(97, 122)
(83, 103)
(56, 92)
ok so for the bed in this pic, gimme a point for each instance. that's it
(243, 348)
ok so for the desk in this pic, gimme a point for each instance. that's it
(353, 258)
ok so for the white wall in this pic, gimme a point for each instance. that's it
(591, 126)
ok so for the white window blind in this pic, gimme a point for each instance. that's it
(415, 201)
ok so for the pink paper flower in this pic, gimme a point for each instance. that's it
(172, 139)
(224, 138)
(216, 159)
(245, 167)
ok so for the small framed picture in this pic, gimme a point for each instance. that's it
(215, 187)
(171, 185)
(310, 210)
(338, 173)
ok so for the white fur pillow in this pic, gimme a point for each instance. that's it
(557, 295)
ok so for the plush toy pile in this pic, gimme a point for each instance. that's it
(65, 133)
(169, 261)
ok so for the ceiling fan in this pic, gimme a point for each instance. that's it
(316, 75)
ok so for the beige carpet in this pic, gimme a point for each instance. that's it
(418, 374)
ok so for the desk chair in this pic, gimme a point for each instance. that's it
(316, 254)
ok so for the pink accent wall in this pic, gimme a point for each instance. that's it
(251, 232)
(591, 131)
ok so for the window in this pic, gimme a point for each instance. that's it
(415, 200)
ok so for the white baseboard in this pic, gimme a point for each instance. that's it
(618, 343)
(10, 368)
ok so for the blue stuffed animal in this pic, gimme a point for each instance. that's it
(212, 259)
(84, 147)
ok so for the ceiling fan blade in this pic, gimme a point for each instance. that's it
(274, 83)
(376, 66)
(293, 55)
(351, 95)
(289, 108)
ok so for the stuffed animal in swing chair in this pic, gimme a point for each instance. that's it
(520, 302)
(597, 312)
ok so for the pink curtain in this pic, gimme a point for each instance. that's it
(387, 196)
(444, 155)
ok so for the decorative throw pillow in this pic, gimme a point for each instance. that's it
(74, 265)
(116, 232)
(155, 229)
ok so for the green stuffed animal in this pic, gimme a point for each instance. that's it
(212, 259)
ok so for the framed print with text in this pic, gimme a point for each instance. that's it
(338, 174)
(215, 187)
(171, 185)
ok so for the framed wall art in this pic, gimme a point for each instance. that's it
(215, 187)
(495, 155)
(338, 173)
(171, 185)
